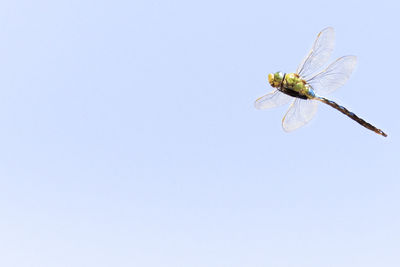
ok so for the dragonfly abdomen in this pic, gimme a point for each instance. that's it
(351, 115)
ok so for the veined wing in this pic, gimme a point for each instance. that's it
(300, 112)
(273, 99)
(319, 54)
(334, 76)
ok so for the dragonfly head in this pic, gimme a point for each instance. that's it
(275, 79)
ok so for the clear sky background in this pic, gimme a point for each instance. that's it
(129, 136)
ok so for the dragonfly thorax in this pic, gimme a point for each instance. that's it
(291, 84)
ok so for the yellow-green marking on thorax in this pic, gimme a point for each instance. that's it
(290, 82)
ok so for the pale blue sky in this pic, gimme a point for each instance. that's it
(129, 136)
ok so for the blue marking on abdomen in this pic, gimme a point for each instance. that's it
(311, 92)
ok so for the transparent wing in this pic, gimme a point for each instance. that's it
(334, 76)
(300, 112)
(319, 54)
(273, 99)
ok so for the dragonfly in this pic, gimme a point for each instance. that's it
(304, 86)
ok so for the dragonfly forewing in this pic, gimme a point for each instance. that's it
(271, 100)
(319, 53)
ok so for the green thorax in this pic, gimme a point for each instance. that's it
(292, 81)
(291, 84)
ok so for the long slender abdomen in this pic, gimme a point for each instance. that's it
(351, 115)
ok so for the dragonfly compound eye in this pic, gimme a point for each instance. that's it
(278, 77)
(271, 79)
(275, 79)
